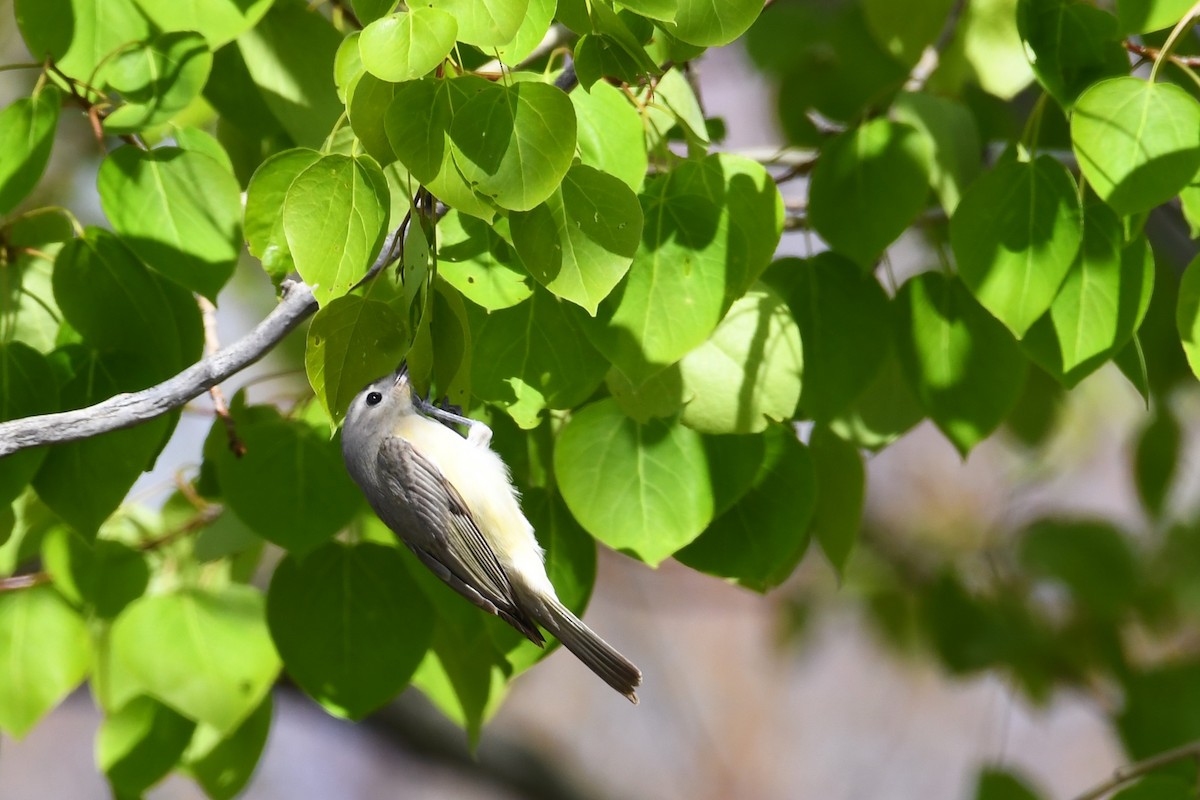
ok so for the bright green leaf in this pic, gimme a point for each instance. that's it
(514, 144)
(157, 80)
(407, 44)
(334, 218)
(986, 50)
(1128, 154)
(747, 373)
(476, 261)
(640, 489)
(710, 23)
(580, 241)
(485, 23)
(1015, 235)
(79, 34)
(1143, 16)
(205, 653)
(180, 211)
(264, 208)
(44, 654)
(1187, 317)
(26, 136)
(534, 25)
(218, 21)
(953, 146)
(610, 134)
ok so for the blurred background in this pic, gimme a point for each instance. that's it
(894, 681)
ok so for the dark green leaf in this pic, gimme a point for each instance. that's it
(222, 764)
(841, 489)
(1071, 45)
(844, 319)
(1092, 559)
(963, 365)
(995, 784)
(290, 487)
(710, 24)
(139, 744)
(906, 27)
(1157, 787)
(868, 186)
(760, 540)
(1156, 460)
(350, 625)
(104, 576)
(27, 387)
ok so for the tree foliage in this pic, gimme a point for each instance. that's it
(580, 261)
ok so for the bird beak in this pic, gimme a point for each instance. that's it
(401, 373)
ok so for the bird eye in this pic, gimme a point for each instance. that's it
(374, 399)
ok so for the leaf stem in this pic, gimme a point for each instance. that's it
(1183, 24)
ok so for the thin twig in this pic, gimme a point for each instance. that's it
(932, 56)
(26, 581)
(1123, 775)
(212, 345)
(1151, 53)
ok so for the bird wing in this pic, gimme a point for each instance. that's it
(449, 541)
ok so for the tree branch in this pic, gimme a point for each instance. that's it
(1123, 775)
(127, 410)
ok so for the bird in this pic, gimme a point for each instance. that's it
(451, 500)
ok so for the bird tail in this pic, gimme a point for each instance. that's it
(599, 656)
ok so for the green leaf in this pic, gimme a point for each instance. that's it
(828, 60)
(1156, 787)
(845, 327)
(28, 310)
(180, 211)
(580, 241)
(222, 764)
(720, 218)
(986, 50)
(1071, 45)
(104, 576)
(350, 625)
(94, 31)
(1092, 559)
(27, 387)
(906, 27)
(351, 342)
(290, 486)
(953, 145)
(407, 44)
(335, 214)
(368, 11)
(1100, 304)
(44, 654)
(1132, 160)
(476, 261)
(759, 541)
(1187, 316)
(485, 23)
(712, 24)
(963, 365)
(610, 134)
(295, 80)
(140, 743)
(599, 57)
(1015, 235)
(995, 784)
(533, 357)
(841, 489)
(534, 25)
(264, 208)
(514, 144)
(868, 186)
(1143, 16)
(883, 412)
(1156, 460)
(418, 125)
(366, 109)
(205, 653)
(157, 80)
(1161, 710)
(640, 489)
(117, 305)
(673, 102)
(747, 373)
(218, 21)
(26, 137)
